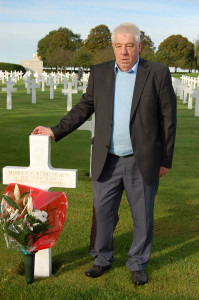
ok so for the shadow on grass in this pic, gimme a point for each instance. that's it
(166, 251)
(70, 260)
(176, 237)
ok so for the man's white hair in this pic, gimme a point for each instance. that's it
(127, 28)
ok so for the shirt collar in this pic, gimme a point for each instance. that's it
(133, 70)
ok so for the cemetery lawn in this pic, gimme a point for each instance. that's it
(173, 270)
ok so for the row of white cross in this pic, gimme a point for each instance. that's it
(190, 81)
(186, 90)
(49, 80)
(16, 75)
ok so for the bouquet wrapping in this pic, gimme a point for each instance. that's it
(32, 219)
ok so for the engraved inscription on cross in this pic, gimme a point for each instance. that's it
(41, 174)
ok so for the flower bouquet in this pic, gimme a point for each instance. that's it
(32, 219)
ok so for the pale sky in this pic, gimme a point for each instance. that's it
(24, 23)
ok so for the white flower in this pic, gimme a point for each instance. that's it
(36, 224)
(40, 215)
(25, 200)
(20, 226)
(17, 193)
(13, 214)
(29, 205)
(29, 226)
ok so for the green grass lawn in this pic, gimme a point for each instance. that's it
(173, 270)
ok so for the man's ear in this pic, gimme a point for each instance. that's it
(140, 46)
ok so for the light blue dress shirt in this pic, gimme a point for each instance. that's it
(120, 143)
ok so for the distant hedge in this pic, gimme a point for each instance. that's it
(11, 67)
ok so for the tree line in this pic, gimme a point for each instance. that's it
(62, 48)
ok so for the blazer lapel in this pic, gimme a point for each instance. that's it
(141, 77)
(110, 87)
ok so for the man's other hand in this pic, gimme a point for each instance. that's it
(163, 171)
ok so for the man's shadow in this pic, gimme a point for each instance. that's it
(175, 239)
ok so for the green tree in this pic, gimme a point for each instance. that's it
(72, 42)
(103, 55)
(99, 38)
(196, 53)
(83, 57)
(43, 45)
(56, 54)
(73, 37)
(176, 51)
(148, 48)
(60, 58)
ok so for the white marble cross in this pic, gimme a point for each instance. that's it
(74, 82)
(195, 95)
(189, 92)
(69, 91)
(34, 86)
(9, 89)
(64, 82)
(89, 125)
(43, 81)
(20, 74)
(84, 86)
(2, 76)
(37, 77)
(197, 108)
(52, 85)
(27, 82)
(41, 174)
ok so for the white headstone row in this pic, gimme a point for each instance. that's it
(16, 75)
(190, 81)
(69, 82)
(186, 92)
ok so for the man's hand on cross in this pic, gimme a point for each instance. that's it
(44, 131)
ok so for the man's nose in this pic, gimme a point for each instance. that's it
(124, 50)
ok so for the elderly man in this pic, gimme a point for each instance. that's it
(135, 124)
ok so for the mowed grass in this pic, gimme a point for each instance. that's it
(173, 270)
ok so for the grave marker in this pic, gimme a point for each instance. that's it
(64, 82)
(84, 86)
(89, 125)
(27, 83)
(69, 91)
(52, 85)
(9, 89)
(43, 81)
(74, 82)
(40, 174)
(195, 94)
(34, 86)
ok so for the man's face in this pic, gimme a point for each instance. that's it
(126, 51)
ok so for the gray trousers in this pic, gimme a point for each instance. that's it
(119, 174)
